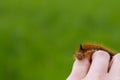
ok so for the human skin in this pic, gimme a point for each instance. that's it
(97, 69)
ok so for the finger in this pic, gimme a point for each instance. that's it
(99, 65)
(80, 69)
(115, 67)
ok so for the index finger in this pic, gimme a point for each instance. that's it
(80, 69)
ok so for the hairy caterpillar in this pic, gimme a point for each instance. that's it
(87, 49)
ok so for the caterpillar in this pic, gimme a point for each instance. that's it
(87, 49)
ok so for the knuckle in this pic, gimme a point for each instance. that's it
(101, 53)
(116, 58)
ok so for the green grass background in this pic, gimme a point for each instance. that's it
(39, 37)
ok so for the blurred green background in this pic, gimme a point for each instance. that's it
(39, 37)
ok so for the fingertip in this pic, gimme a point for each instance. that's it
(84, 62)
(117, 56)
(101, 54)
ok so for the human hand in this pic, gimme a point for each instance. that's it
(98, 69)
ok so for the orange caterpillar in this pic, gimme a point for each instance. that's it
(88, 49)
